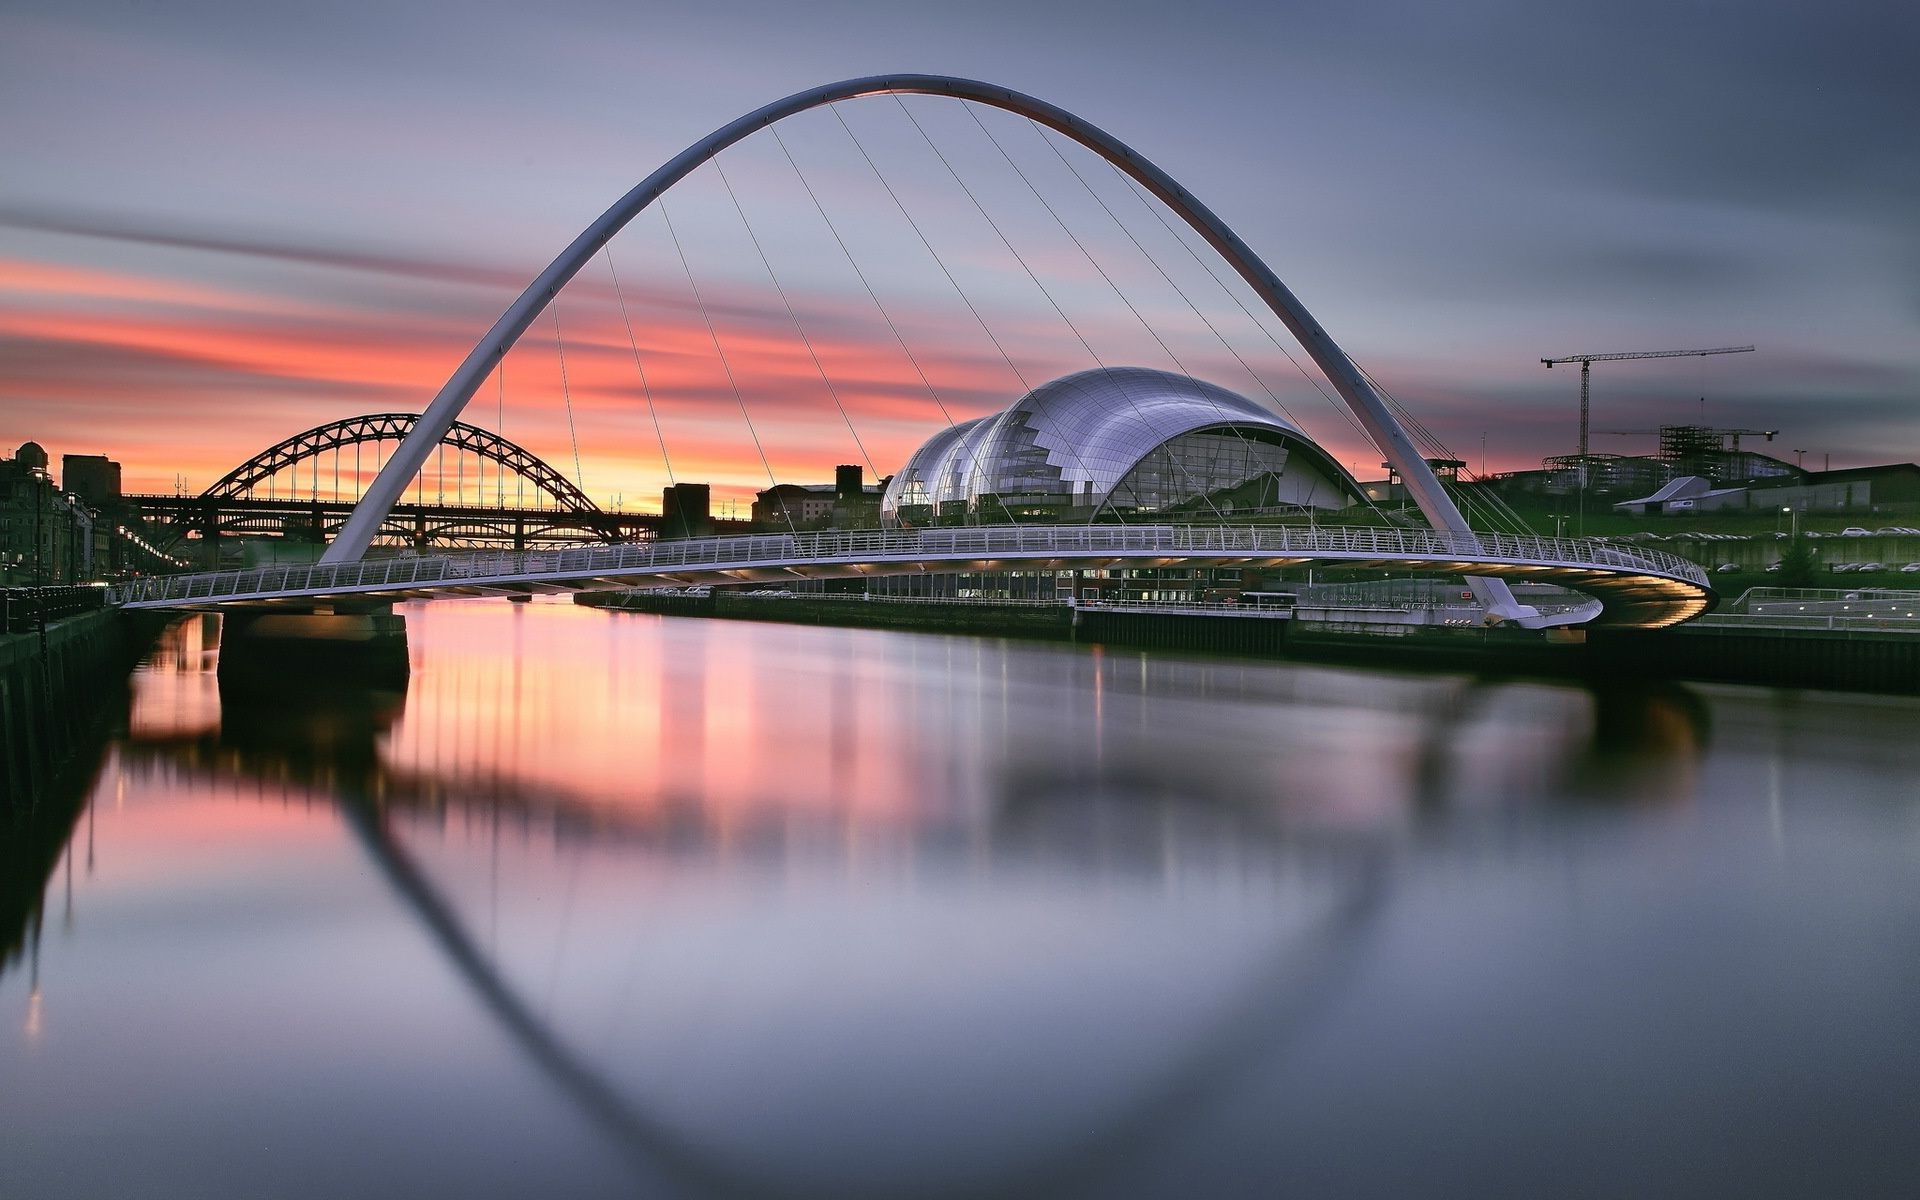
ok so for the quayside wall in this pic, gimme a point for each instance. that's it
(1840, 660)
(58, 687)
(1046, 621)
(63, 688)
(1165, 630)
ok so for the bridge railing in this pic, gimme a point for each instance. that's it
(1423, 548)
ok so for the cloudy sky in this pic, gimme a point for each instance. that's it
(221, 223)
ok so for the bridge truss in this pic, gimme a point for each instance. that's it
(245, 502)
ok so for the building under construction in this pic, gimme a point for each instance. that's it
(1701, 450)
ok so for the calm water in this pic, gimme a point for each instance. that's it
(614, 905)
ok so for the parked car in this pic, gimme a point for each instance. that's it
(1725, 568)
(1871, 567)
(1910, 569)
(1853, 531)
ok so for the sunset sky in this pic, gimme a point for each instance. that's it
(221, 223)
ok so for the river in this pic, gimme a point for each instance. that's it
(613, 904)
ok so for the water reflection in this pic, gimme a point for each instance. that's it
(796, 911)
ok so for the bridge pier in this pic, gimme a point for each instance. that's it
(273, 649)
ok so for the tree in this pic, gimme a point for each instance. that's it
(1799, 566)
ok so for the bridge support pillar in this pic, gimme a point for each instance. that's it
(274, 650)
(210, 533)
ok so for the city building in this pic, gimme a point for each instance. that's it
(1892, 488)
(94, 478)
(1889, 488)
(46, 535)
(1630, 482)
(686, 510)
(846, 503)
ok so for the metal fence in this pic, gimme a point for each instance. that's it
(1419, 549)
(1882, 623)
(23, 609)
(1763, 599)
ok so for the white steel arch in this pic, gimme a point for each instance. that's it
(1340, 370)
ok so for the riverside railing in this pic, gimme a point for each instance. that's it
(1421, 548)
(23, 609)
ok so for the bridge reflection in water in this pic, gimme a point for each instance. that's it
(770, 910)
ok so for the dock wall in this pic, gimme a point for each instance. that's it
(55, 695)
(1840, 660)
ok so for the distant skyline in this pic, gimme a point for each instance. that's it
(221, 223)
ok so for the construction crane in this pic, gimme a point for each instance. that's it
(1586, 362)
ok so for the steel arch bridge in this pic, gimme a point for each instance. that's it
(561, 513)
(396, 427)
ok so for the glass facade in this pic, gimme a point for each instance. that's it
(1115, 440)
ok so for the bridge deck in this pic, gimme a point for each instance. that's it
(1640, 588)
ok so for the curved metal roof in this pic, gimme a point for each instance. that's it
(1080, 436)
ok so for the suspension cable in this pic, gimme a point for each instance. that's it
(1154, 261)
(1337, 406)
(1414, 426)
(973, 466)
(725, 366)
(871, 294)
(1041, 134)
(579, 476)
(794, 317)
(1246, 443)
(1498, 510)
(645, 387)
(1074, 329)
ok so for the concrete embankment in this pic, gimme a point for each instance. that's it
(57, 692)
(1165, 630)
(1046, 621)
(1841, 660)
(59, 699)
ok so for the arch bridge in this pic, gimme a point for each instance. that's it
(1635, 588)
(490, 510)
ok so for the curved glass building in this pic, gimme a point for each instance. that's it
(1116, 440)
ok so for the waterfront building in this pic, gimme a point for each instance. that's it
(686, 510)
(1112, 444)
(94, 479)
(1115, 442)
(51, 533)
(847, 503)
